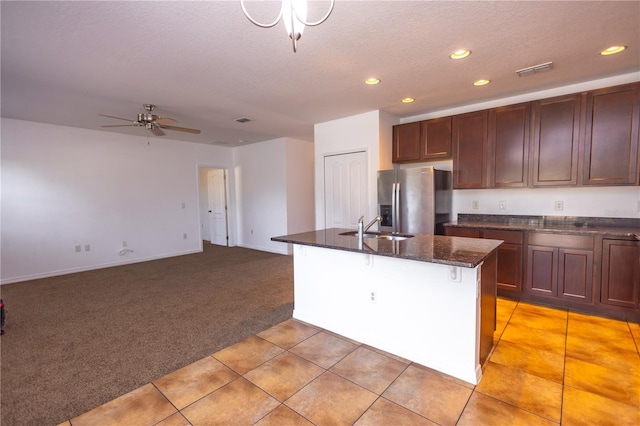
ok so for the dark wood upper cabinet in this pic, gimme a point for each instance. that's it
(406, 142)
(470, 150)
(611, 136)
(509, 145)
(422, 141)
(436, 139)
(555, 141)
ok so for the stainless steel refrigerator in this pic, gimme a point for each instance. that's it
(414, 200)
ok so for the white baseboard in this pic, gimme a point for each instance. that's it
(92, 267)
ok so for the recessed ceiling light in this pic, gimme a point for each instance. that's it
(460, 53)
(612, 50)
(408, 100)
(481, 82)
(372, 80)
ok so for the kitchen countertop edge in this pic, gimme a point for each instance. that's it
(453, 251)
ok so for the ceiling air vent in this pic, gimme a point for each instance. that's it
(535, 69)
(242, 120)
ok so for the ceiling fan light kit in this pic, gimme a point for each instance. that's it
(152, 122)
(294, 15)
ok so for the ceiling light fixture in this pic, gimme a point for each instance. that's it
(481, 82)
(408, 100)
(535, 69)
(372, 81)
(612, 50)
(294, 15)
(460, 53)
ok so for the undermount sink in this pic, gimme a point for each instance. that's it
(393, 237)
(379, 235)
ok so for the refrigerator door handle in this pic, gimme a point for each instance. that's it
(394, 217)
(397, 226)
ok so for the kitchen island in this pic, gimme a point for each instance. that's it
(429, 299)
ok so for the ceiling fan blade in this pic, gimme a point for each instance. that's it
(119, 125)
(118, 118)
(157, 131)
(182, 129)
(163, 121)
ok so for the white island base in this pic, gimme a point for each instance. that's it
(428, 313)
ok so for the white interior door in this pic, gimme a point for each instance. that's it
(345, 186)
(216, 180)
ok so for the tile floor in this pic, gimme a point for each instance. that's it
(548, 367)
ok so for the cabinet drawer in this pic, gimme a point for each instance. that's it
(558, 240)
(453, 231)
(512, 237)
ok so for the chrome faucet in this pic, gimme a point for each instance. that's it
(377, 219)
(362, 229)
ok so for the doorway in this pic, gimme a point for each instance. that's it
(213, 206)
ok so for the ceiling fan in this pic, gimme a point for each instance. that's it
(152, 122)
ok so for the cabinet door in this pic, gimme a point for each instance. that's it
(542, 270)
(509, 145)
(555, 142)
(470, 150)
(575, 274)
(509, 259)
(436, 139)
(406, 142)
(611, 136)
(620, 284)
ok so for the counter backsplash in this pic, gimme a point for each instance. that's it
(569, 221)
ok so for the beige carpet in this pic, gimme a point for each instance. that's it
(76, 341)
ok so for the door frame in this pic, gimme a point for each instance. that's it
(203, 199)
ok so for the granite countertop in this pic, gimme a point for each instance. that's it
(609, 227)
(456, 251)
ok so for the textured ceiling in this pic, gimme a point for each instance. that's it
(204, 64)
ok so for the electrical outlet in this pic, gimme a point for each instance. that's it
(455, 274)
(184, 205)
(502, 205)
(475, 204)
(87, 247)
(78, 248)
(559, 206)
(372, 296)
(184, 236)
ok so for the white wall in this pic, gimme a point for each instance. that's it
(610, 201)
(356, 133)
(272, 187)
(300, 197)
(64, 186)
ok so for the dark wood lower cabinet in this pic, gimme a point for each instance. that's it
(586, 273)
(542, 270)
(509, 260)
(561, 266)
(620, 281)
(575, 275)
